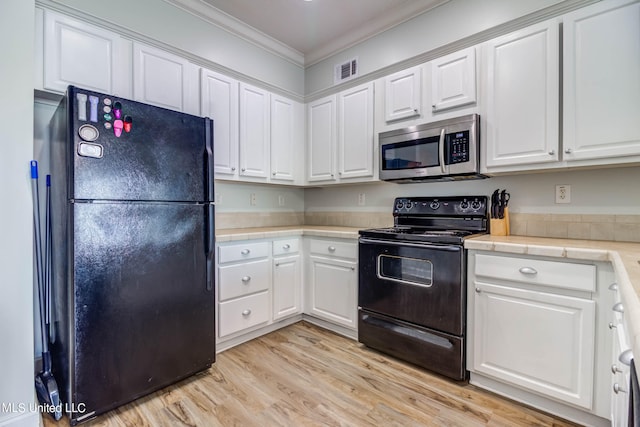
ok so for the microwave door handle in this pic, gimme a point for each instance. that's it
(441, 152)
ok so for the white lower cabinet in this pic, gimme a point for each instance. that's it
(259, 284)
(535, 332)
(332, 281)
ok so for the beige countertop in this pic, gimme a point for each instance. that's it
(625, 257)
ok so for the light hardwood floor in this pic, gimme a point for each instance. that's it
(303, 375)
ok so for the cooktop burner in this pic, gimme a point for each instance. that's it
(435, 219)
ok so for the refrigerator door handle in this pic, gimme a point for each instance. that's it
(210, 241)
(209, 172)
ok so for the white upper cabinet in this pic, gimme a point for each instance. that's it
(287, 136)
(601, 86)
(355, 132)
(403, 94)
(255, 131)
(219, 100)
(522, 97)
(453, 80)
(321, 138)
(163, 79)
(79, 54)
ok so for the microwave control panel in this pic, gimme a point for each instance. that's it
(458, 147)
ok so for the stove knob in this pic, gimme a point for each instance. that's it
(464, 205)
(475, 205)
(399, 205)
(408, 205)
(434, 205)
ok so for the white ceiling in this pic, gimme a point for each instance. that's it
(318, 28)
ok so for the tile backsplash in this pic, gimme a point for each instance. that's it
(620, 228)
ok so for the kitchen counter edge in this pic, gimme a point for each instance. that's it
(238, 234)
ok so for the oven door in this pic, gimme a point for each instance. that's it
(414, 282)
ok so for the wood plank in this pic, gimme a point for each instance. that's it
(303, 375)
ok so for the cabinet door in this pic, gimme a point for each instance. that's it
(82, 55)
(254, 131)
(453, 80)
(287, 282)
(601, 85)
(355, 132)
(403, 94)
(160, 78)
(284, 138)
(219, 101)
(321, 128)
(333, 290)
(522, 97)
(539, 341)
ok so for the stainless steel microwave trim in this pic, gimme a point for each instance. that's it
(466, 169)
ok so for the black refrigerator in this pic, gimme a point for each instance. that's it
(132, 193)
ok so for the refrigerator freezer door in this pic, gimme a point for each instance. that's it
(150, 154)
(143, 312)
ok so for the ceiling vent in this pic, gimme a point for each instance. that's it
(346, 71)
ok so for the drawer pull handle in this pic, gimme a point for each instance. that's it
(246, 313)
(245, 251)
(332, 248)
(286, 246)
(615, 369)
(353, 269)
(617, 389)
(528, 270)
(245, 279)
(611, 325)
(618, 307)
(277, 264)
(625, 357)
(613, 287)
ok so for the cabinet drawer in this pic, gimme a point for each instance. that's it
(243, 313)
(332, 248)
(285, 246)
(565, 275)
(242, 251)
(243, 279)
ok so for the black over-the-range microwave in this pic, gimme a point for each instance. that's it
(440, 151)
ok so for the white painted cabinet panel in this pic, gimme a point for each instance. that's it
(601, 85)
(355, 132)
(453, 80)
(403, 94)
(543, 342)
(522, 95)
(333, 290)
(79, 54)
(254, 131)
(287, 284)
(321, 137)
(162, 78)
(285, 140)
(243, 313)
(219, 100)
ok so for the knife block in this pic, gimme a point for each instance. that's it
(500, 226)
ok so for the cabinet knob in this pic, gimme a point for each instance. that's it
(613, 287)
(478, 290)
(246, 312)
(617, 389)
(286, 246)
(552, 152)
(233, 168)
(415, 110)
(618, 307)
(245, 251)
(353, 268)
(625, 357)
(615, 369)
(433, 107)
(568, 151)
(246, 279)
(273, 173)
(243, 169)
(528, 270)
(611, 325)
(331, 248)
(277, 264)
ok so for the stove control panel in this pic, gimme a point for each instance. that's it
(446, 206)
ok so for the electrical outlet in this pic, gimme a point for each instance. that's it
(252, 199)
(361, 199)
(563, 193)
(280, 200)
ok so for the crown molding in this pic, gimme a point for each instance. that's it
(238, 28)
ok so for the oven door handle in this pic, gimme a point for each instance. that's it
(451, 248)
